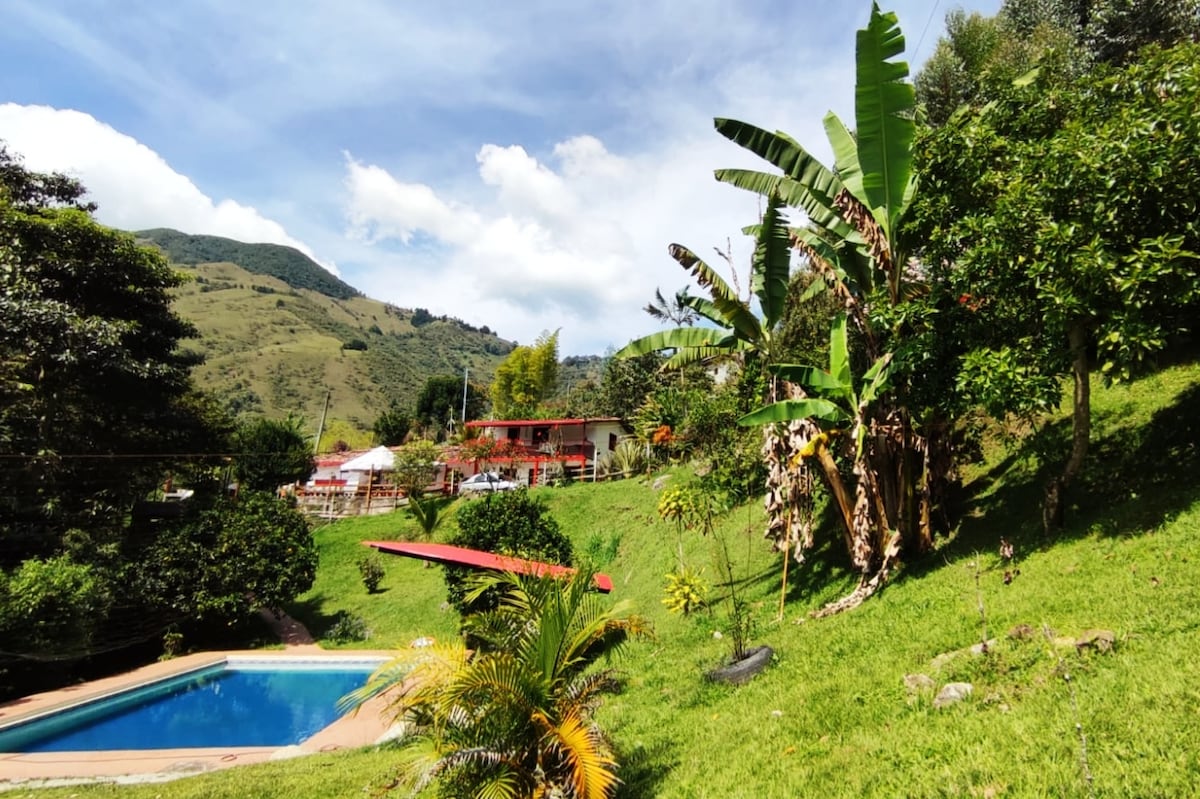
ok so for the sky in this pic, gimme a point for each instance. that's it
(522, 165)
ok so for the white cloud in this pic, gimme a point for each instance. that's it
(133, 185)
(578, 242)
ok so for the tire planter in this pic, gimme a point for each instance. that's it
(741, 671)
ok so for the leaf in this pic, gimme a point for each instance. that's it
(793, 410)
(845, 155)
(839, 351)
(884, 104)
(679, 338)
(735, 312)
(875, 380)
(815, 204)
(772, 263)
(815, 380)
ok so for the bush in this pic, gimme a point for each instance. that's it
(355, 344)
(51, 606)
(371, 569)
(225, 561)
(629, 458)
(506, 523)
(347, 628)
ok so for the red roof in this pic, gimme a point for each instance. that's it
(461, 556)
(540, 422)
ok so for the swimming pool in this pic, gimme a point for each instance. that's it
(235, 703)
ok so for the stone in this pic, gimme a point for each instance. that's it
(918, 683)
(1097, 640)
(983, 647)
(952, 693)
(1022, 632)
(660, 482)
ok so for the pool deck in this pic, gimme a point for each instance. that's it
(365, 727)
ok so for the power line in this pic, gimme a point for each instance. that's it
(932, 11)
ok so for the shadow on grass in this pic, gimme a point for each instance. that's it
(643, 770)
(311, 613)
(1135, 478)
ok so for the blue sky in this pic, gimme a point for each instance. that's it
(522, 165)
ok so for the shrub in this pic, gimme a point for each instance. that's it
(347, 628)
(507, 523)
(355, 344)
(371, 569)
(629, 457)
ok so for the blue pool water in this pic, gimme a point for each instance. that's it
(224, 705)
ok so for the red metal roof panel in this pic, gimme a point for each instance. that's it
(461, 556)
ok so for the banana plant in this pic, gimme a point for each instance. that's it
(834, 403)
(733, 327)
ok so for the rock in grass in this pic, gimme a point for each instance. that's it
(952, 693)
(918, 683)
(1096, 640)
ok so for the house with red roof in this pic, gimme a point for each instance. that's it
(532, 451)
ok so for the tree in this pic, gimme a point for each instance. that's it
(416, 466)
(526, 378)
(979, 57)
(95, 396)
(676, 311)
(1069, 236)
(441, 399)
(229, 559)
(856, 213)
(392, 425)
(515, 719)
(272, 453)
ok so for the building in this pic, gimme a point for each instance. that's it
(532, 451)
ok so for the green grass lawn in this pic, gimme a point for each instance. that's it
(831, 716)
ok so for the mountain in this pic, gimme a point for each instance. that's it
(277, 331)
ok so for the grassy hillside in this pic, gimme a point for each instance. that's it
(273, 349)
(832, 717)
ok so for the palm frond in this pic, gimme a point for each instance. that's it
(588, 759)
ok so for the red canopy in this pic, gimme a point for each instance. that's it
(461, 556)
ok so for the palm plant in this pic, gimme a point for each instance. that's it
(514, 718)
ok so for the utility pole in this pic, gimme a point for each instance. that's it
(321, 426)
(464, 407)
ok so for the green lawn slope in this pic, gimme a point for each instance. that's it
(831, 717)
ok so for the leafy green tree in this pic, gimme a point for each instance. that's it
(980, 57)
(392, 426)
(526, 378)
(95, 396)
(272, 453)
(52, 607)
(515, 718)
(416, 466)
(506, 523)
(1070, 234)
(227, 560)
(441, 399)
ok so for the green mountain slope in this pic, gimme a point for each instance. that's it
(272, 348)
(286, 263)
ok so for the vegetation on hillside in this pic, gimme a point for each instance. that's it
(274, 260)
(98, 411)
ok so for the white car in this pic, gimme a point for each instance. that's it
(485, 481)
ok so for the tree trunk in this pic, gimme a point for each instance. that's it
(838, 487)
(1081, 429)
